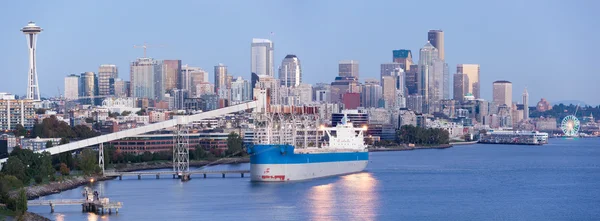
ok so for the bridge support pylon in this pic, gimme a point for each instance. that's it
(101, 157)
(181, 152)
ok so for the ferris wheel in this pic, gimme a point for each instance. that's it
(570, 126)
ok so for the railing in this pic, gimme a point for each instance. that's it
(55, 202)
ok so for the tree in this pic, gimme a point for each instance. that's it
(84, 132)
(234, 144)
(44, 168)
(14, 166)
(20, 130)
(64, 170)
(126, 113)
(48, 144)
(147, 156)
(22, 202)
(88, 162)
(141, 112)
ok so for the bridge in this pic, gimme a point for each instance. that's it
(175, 174)
(181, 146)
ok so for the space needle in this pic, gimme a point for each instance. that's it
(31, 31)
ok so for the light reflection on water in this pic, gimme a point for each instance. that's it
(322, 200)
(354, 195)
(361, 196)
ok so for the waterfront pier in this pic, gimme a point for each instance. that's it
(176, 175)
(91, 202)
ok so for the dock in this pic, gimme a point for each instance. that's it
(175, 175)
(90, 203)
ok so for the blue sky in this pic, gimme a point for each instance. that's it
(547, 46)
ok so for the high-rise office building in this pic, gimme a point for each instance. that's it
(371, 93)
(388, 68)
(172, 73)
(87, 84)
(121, 88)
(428, 74)
(197, 76)
(412, 79)
(142, 78)
(436, 38)
(502, 93)
(262, 57)
(525, 105)
(272, 86)
(404, 57)
(461, 86)
(71, 87)
(472, 71)
(240, 90)
(190, 77)
(107, 73)
(290, 72)
(159, 79)
(343, 85)
(388, 84)
(33, 90)
(88, 87)
(348, 68)
(415, 102)
(446, 81)
(220, 77)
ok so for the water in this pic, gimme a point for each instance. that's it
(558, 181)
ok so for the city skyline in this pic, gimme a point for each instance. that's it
(320, 57)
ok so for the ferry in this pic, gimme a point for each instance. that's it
(514, 137)
(346, 153)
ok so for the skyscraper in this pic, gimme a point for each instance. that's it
(388, 84)
(159, 79)
(502, 93)
(404, 57)
(262, 57)
(121, 88)
(88, 87)
(71, 87)
(436, 38)
(343, 85)
(221, 76)
(106, 79)
(348, 68)
(472, 71)
(525, 105)
(412, 79)
(240, 90)
(33, 90)
(461, 86)
(172, 74)
(428, 77)
(371, 93)
(142, 75)
(290, 72)
(388, 68)
(272, 86)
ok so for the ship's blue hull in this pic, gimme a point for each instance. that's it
(280, 163)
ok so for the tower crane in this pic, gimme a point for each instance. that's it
(145, 46)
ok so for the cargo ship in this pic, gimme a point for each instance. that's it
(514, 137)
(345, 153)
